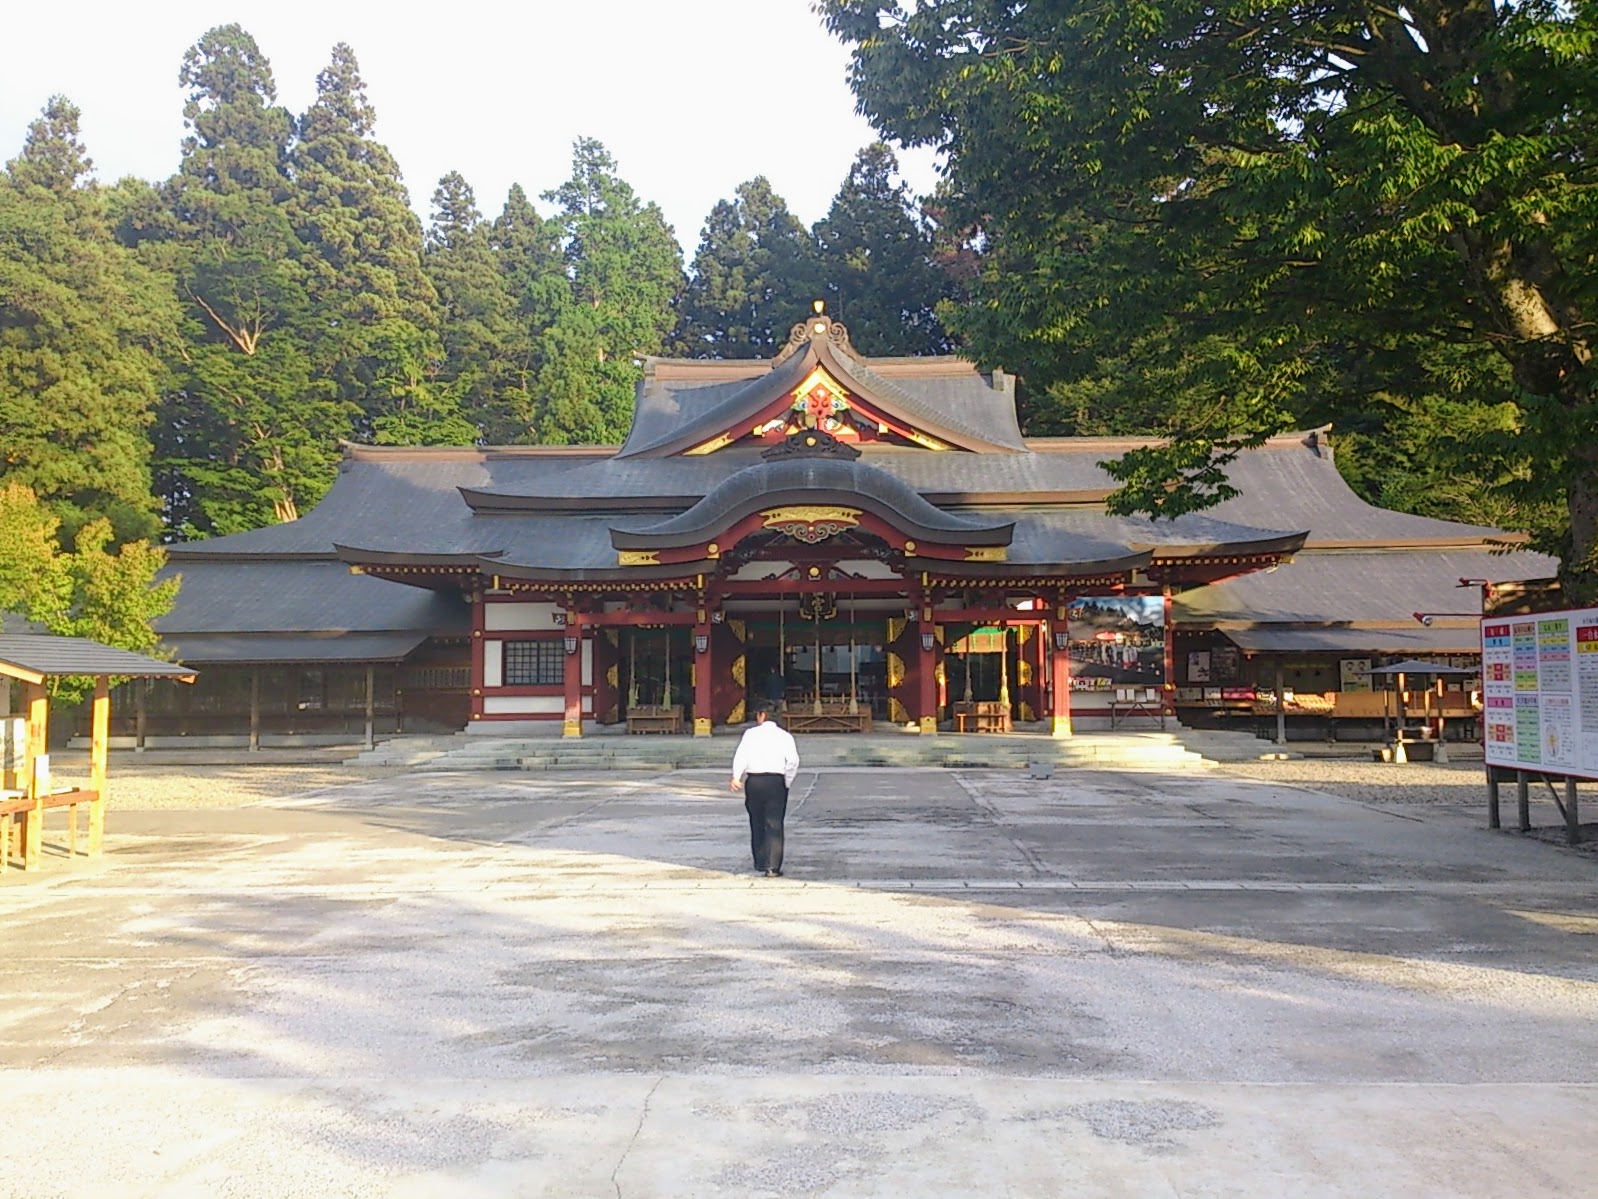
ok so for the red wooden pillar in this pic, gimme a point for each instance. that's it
(1168, 692)
(704, 678)
(572, 679)
(479, 625)
(1060, 674)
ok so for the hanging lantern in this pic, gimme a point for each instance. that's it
(1062, 639)
(928, 640)
(701, 642)
(571, 643)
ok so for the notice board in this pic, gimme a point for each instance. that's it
(1540, 691)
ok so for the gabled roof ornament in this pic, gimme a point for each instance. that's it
(820, 327)
(810, 443)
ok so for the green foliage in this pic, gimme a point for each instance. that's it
(362, 257)
(90, 591)
(624, 270)
(754, 275)
(82, 329)
(1282, 197)
(248, 433)
(877, 259)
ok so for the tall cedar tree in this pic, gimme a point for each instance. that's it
(376, 310)
(475, 304)
(250, 433)
(1288, 196)
(877, 261)
(527, 250)
(624, 269)
(754, 275)
(82, 329)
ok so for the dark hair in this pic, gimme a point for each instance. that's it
(763, 708)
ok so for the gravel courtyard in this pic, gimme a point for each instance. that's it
(313, 981)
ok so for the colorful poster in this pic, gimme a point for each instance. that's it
(1540, 691)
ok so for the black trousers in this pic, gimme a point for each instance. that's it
(766, 801)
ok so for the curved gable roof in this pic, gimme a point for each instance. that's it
(810, 481)
(681, 404)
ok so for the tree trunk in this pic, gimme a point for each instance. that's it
(1580, 571)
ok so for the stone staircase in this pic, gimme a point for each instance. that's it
(1108, 751)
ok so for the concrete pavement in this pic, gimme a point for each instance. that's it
(969, 984)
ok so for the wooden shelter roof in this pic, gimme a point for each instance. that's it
(34, 657)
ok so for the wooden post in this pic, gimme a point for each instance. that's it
(1523, 799)
(141, 704)
(1281, 702)
(927, 678)
(99, 756)
(1060, 678)
(37, 701)
(255, 708)
(1572, 817)
(371, 730)
(703, 678)
(1492, 798)
(572, 679)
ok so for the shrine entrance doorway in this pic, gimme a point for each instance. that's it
(833, 673)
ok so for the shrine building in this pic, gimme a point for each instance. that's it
(867, 539)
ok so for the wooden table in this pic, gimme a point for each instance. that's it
(981, 716)
(833, 718)
(655, 718)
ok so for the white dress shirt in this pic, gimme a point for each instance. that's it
(766, 749)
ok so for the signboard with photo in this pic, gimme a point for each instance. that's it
(1119, 640)
(1355, 674)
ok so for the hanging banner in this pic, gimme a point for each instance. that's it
(1540, 691)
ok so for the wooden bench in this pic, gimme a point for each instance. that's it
(655, 718)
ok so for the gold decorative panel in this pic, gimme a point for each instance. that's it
(739, 670)
(739, 629)
(637, 557)
(1023, 633)
(811, 514)
(897, 712)
(895, 627)
(895, 669)
(612, 675)
(737, 715)
(986, 553)
(1026, 712)
(1023, 672)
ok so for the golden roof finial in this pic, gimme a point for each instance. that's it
(818, 306)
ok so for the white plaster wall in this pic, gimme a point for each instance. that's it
(587, 651)
(545, 705)
(519, 616)
(493, 663)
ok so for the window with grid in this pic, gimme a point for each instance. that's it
(534, 663)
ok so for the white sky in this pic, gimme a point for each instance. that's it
(691, 97)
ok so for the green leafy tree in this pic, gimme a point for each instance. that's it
(82, 329)
(1296, 187)
(877, 261)
(624, 271)
(92, 590)
(754, 275)
(249, 433)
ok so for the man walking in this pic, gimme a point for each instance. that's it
(764, 768)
